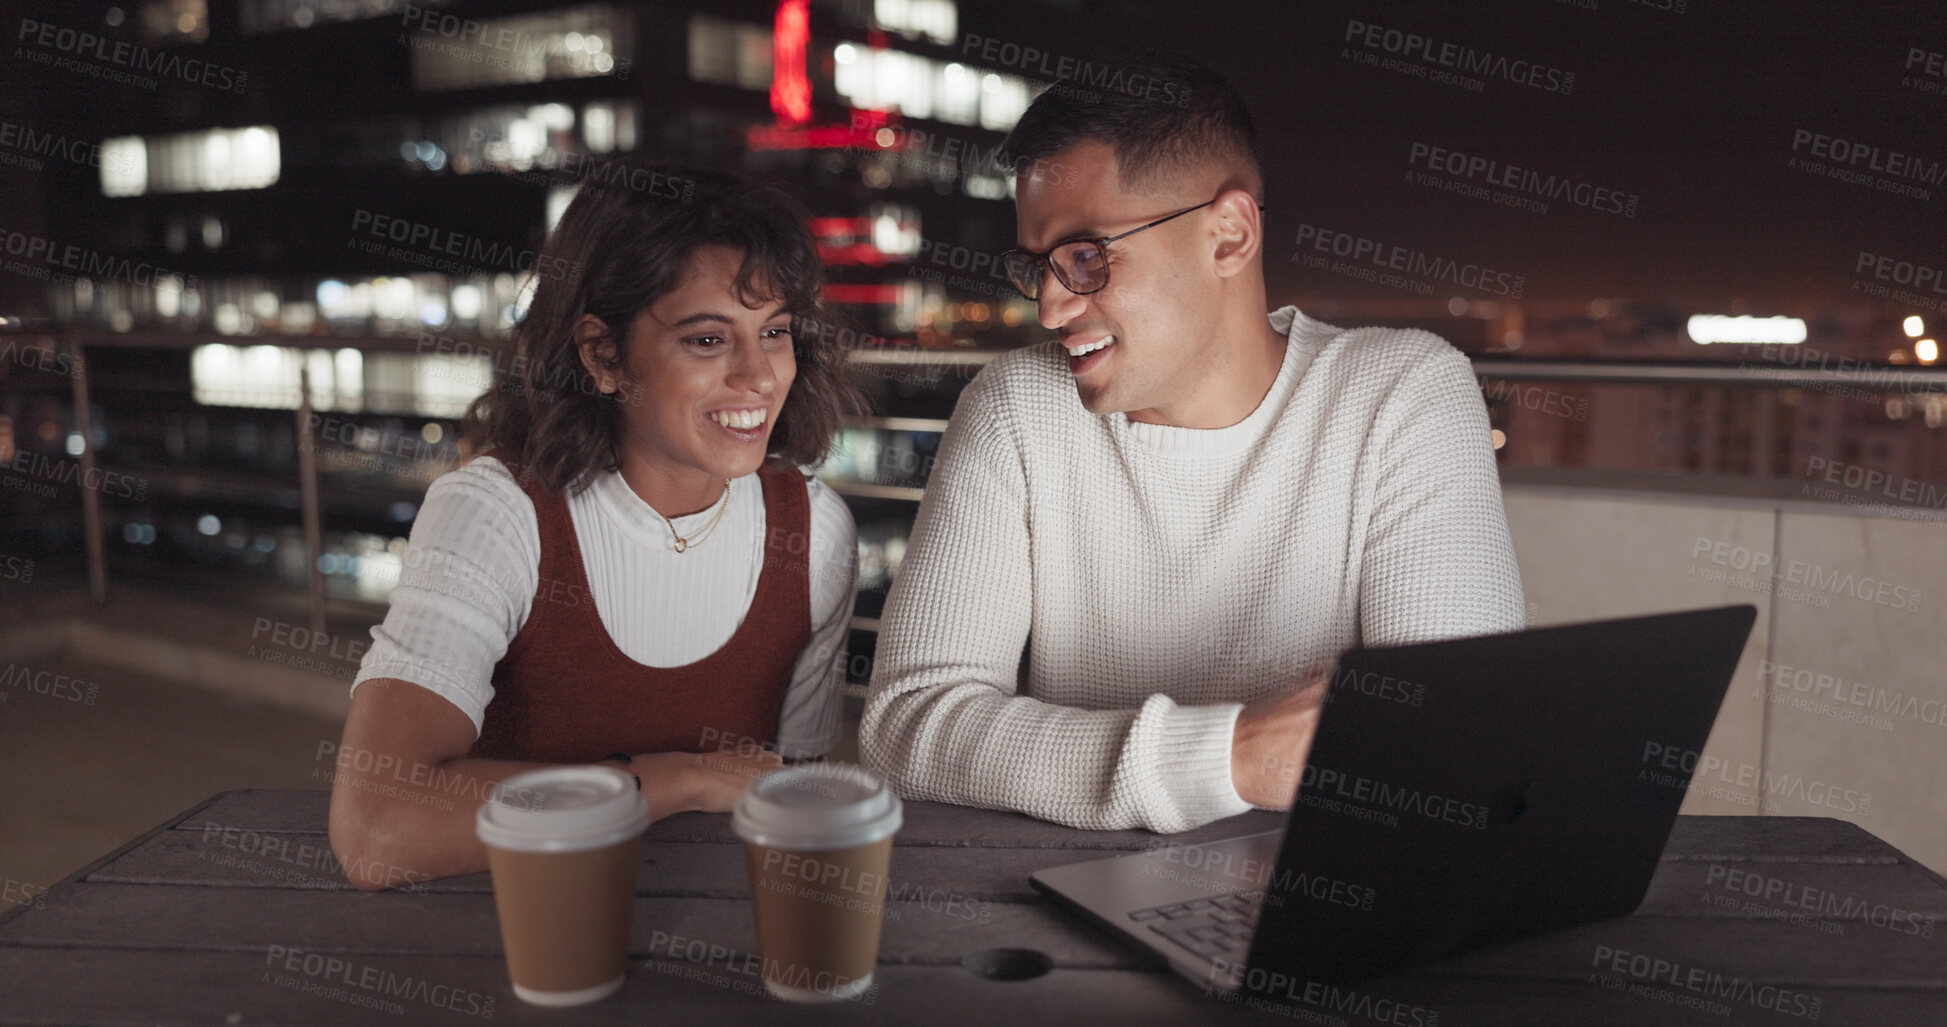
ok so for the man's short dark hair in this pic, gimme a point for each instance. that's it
(1163, 113)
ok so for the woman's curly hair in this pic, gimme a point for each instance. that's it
(623, 243)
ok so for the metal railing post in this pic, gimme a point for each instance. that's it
(90, 497)
(307, 471)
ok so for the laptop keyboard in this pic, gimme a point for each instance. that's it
(1218, 927)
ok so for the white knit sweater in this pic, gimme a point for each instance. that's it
(1160, 577)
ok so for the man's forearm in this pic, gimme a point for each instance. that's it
(1162, 767)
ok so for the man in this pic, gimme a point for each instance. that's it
(1184, 512)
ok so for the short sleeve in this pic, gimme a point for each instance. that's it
(465, 589)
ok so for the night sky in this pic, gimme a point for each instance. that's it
(1694, 112)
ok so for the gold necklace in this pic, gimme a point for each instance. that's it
(683, 544)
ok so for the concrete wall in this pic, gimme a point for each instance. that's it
(1839, 705)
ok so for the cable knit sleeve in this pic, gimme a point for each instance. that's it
(943, 720)
(1438, 561)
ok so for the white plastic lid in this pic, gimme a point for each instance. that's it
(817, 806)
(563, 809)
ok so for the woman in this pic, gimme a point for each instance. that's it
(622, 574)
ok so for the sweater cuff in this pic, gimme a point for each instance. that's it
(1193, 745)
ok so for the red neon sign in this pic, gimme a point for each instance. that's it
(790, 89)
(810, 137)
(862, 294)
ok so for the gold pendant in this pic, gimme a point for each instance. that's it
(682, 544)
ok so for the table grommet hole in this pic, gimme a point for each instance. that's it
(1007, 964)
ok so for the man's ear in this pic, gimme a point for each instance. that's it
(1240, 231)
(596, 346)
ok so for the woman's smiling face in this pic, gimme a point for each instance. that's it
(704, 378)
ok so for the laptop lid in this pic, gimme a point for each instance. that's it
(1477, 790)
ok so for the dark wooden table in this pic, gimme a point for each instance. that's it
(233, 914)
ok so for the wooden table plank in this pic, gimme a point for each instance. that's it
(190, 918)
(1800, 839)
(254, 859)
(1759, 950)
(196, 908)
(1722, 838)
(244, 859)
(264, 809)
(1842, 892)
(959, 878)
(132, 844)
(177, 917)
(926, 824)
(46, 987)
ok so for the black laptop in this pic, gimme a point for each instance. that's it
(1457, 794)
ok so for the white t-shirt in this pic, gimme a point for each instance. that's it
(473, 565)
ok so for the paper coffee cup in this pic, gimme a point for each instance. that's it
(817, 842)
(563, 844)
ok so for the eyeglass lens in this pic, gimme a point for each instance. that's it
(1081, 266)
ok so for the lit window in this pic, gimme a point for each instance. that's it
(443, 385)
(176, 21)
(598, 128)
(558, 199)
(434, 384)
(1706, 329)
(923, 88)
(525, 48)
(466, 302)
(729, 53)
(193, 162)
(895, 229)
(957, 97)
(937, 20)
(1003, 99)
(259, 16)
(988, 187)
(512, 138)
(124, 166)
(906, 82)
(348, 379)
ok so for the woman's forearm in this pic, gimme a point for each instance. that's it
(406, 824)
(398, 823)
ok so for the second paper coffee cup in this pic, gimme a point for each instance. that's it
(817, 843)
(563, 844)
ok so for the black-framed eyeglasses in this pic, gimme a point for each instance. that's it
(1081, 265)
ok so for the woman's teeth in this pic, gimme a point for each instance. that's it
(740, 418)
(1081, 351)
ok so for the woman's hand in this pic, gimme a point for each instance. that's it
(710, 782)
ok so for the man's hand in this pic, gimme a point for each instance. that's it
(707, 781)
(1272, 740)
